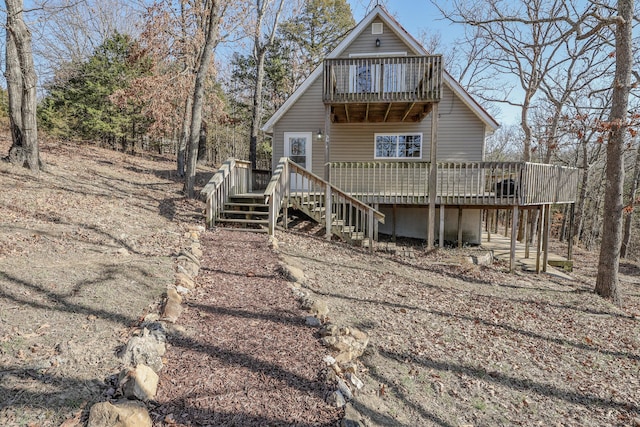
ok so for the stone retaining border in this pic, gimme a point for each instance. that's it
(347, 343)
(137, 383)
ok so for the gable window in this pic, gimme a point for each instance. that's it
(398, 146)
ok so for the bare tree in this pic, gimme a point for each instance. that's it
(213, 10)
(21, 84)
(260, 47)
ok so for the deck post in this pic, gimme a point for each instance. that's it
(459, 226)
(370, 231)
(547, 231)
(514, 239)
(441, 231)
(539, 237)
(433, 176)
(327, 211)
(489, 224)
(376, 206)
(571, 219)
(327, 150)
(525, 232)
(393, 224)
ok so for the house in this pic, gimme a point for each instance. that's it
(373, 101)
(380, 139)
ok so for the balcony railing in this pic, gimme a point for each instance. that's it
(469, 183)
(383, 79)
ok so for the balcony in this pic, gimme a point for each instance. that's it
(382, 89)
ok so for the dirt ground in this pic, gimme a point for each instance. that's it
(87, 247)
(455, 344)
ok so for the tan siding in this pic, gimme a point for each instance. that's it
(460, 131)
(306, 115)
(366, 43)
(460, 135)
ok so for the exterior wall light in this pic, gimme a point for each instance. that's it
(377, 42)
(319, 134)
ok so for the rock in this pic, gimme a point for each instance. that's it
(185, 280)
(329, 360)
(146, 349)
(172, 310)
(172, 294)
(126, 413)
(329, 330)
(351, 417)
(188, 267)
(140, 383)
(357, 382)
(312, 321)
(197, 228)
(344, 389)
(345, 357)
(150, 318)
(182, 290)
(319, 308)
(181, 270)
(186, 255)
(273, 243)
(344, 343)
(292, 274)
(337, 399)
(196, 251)
(123, 252)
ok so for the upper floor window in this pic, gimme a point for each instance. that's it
(398, 146)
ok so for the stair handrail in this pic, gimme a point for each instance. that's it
(277, 191)
(331, 190)
(232, 177)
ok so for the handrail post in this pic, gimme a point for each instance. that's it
(327, 212)
(370, 231)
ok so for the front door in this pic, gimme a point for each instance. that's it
(297, 146)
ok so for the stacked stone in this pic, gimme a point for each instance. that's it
(137, 383)
(347, 343)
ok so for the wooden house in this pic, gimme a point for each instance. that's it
(385, 140)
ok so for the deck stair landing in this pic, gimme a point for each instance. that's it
(245, 210)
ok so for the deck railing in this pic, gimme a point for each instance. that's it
(383, 79)
(233, 177)
(343, 214)
(276, 192)
(458, 183)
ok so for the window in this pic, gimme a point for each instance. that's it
(398, 146)
(364, 78)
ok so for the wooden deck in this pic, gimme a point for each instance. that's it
(500, 246)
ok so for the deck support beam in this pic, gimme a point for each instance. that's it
(525, 232)
(570, 243)
(393, 223)
(327, 141)
(433, 177)
(539, 240)
(459, 226)
(441, 233)
(547, 231)
(514, 239)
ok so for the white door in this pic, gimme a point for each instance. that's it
(297, 146)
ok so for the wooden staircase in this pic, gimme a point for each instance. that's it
(230, 200)
(246, 211)
(317, 211)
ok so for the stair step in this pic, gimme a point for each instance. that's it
(242, 212)
(244, 221)
(246, 205)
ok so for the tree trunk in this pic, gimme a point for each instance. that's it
(25, 129)
(632, 198)
(184, 137)
(211, 36)
(609, 260)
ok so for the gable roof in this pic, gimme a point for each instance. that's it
(404, 35)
